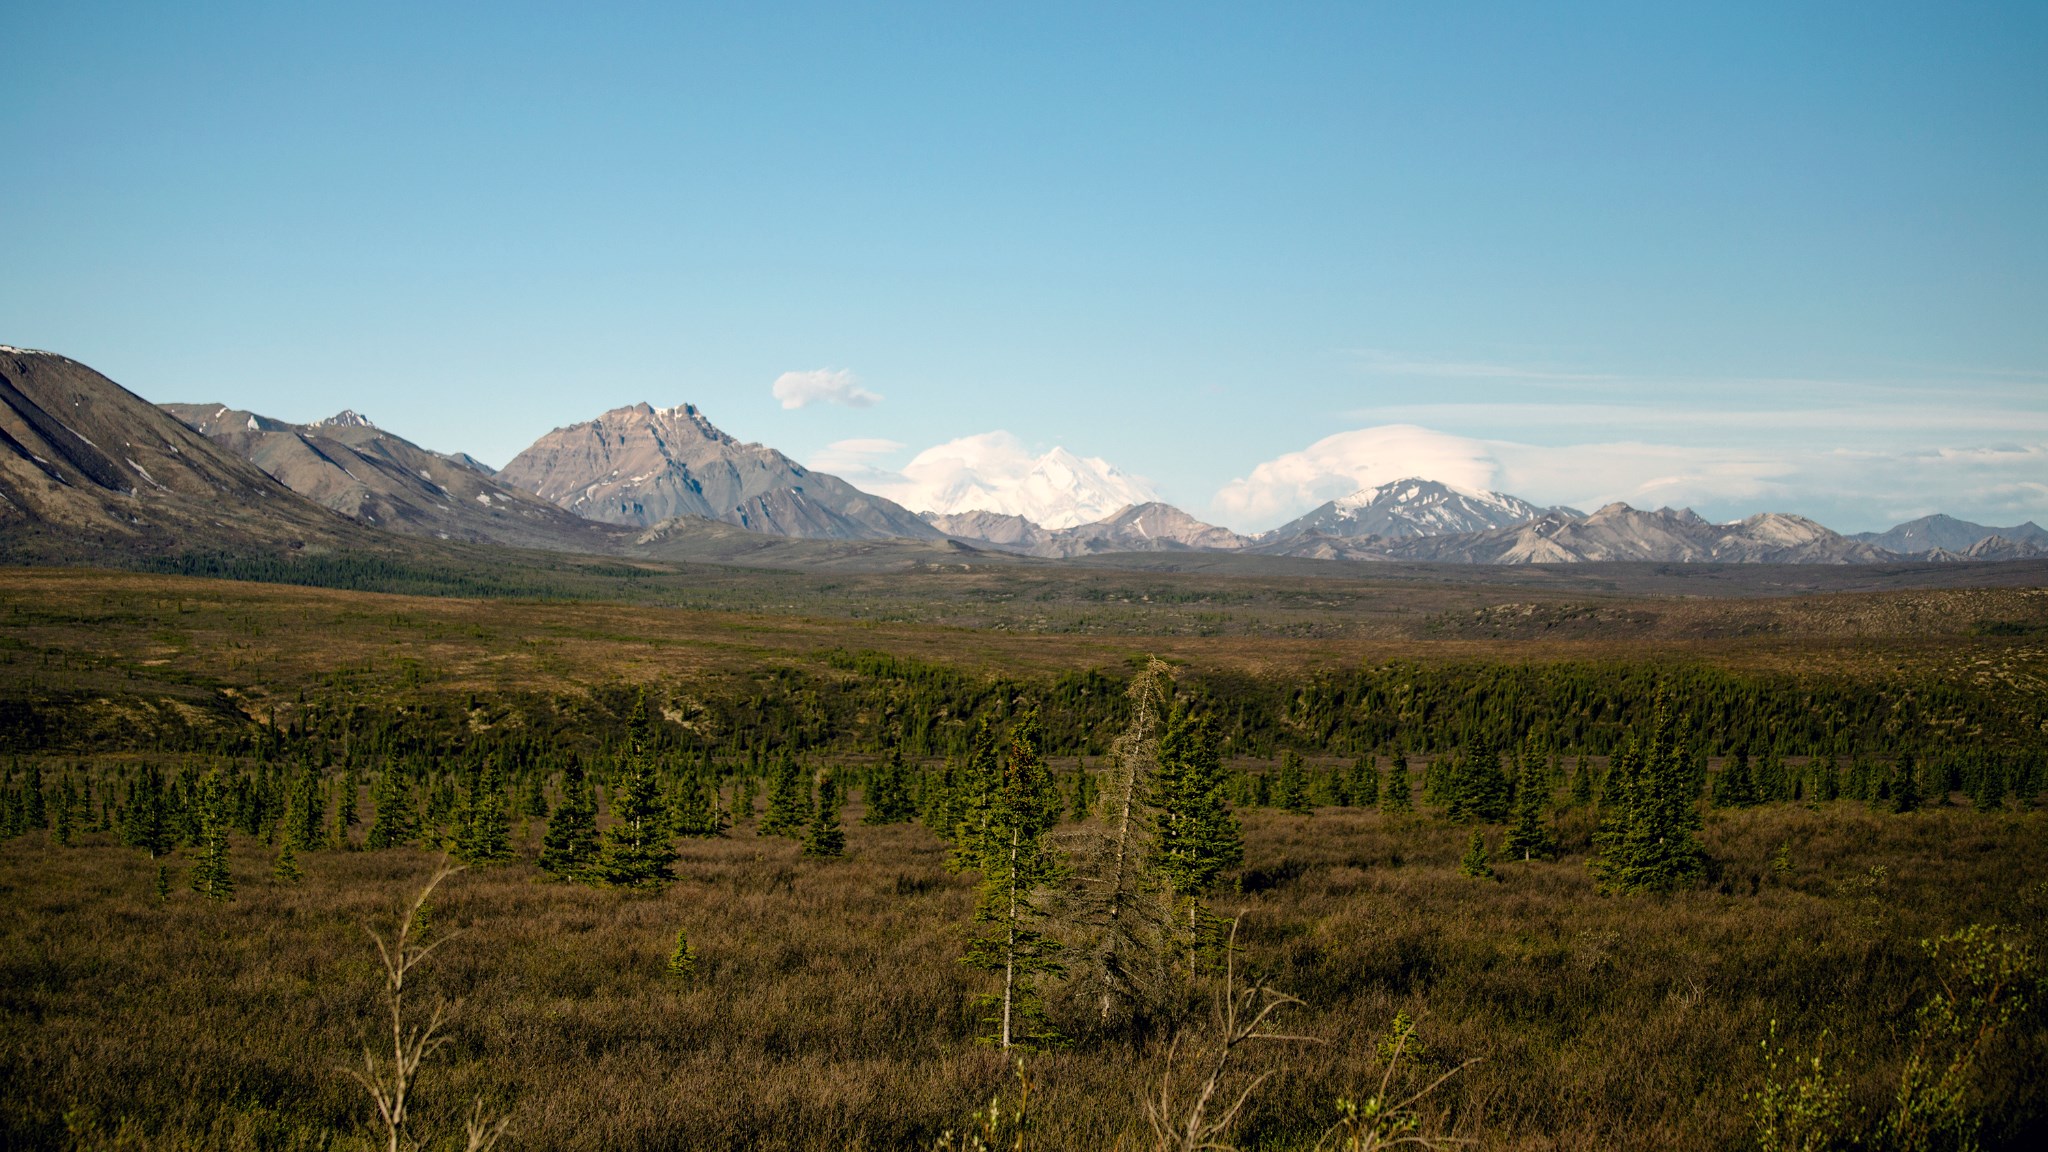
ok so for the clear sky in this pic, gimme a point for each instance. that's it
(1771, 256)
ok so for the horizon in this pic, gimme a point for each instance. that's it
(1735, 261)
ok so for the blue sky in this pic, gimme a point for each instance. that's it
(1773, 256)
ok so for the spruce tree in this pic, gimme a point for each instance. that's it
(682, 959)
(635, 851)
(1735, 787)
(788, 805)
(1582, 782)
(1293, 784)
(286, 870)
(145, 823)
(570, 846)
(693, 805)
(1905, 789)
(1365, 781)
(1530, 837)
(391, 819)
(1647, 841)
(1017, 866)
(1475, 861)
(210, 875)
(824, 836)
(975, 794)
(743, 797)
(1399, 795)
(484, 836)
(887, 798)
(1196, 837)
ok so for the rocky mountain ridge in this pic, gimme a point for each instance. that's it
(348, 464)
(640, 465)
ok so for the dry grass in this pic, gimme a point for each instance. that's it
(828, 1012)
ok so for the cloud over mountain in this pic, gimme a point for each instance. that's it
(822, 386)
(992, 472)
(1339, 465)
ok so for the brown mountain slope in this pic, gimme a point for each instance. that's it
(642, 465)
(362, 471)
(90, 471)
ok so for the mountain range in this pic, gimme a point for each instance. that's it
(88, 468)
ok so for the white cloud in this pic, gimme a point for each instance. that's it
(1339, 465)
(822, 386)
(992, 472)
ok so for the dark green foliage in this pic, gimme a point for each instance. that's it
(888, 792)
(788, 801)
(692, 805)
(570, 846)
(1365, 781)
(1530, 836)
(1292, 785)
(145, 823)
(743, 798)
(1475, 789)
(1582, 782)
(1646, 841)
(483, 833)
(1735, 786)
(825, 837)
(1017, 866)
(210, 877)
(1475, 861)
(1085, 792)
(306, 810)
(635, 851)
(1197, 838)
(391, 818)
(1399, 794)
(973, 797)
(286, 870)
(1904, 794)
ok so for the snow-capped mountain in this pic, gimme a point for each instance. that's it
(1413, 507)
(993, 472)
(1152, 527)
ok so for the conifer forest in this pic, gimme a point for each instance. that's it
(1069, 859)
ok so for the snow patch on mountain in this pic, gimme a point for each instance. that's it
(1410, 507)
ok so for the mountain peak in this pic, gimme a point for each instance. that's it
(346, 418)
(1410, 507)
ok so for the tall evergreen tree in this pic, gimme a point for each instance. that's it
(1905, 790)
(1400, 796)
(635, 851)
(1017, 866)
(570, 846)
(146, 823)
(788, 802)
(484, 835)
(972, 799)
(693, 804)
(742, 797)
(1196, 836)
(1365, 781)
(1530, 837)
(1582, 782)
(1293, 785)
(1647, 840)
(887, 798)
(825, 837)
(210, 875)
(391, 818)
(1735, 787)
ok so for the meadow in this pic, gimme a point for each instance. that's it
(827, 1007)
